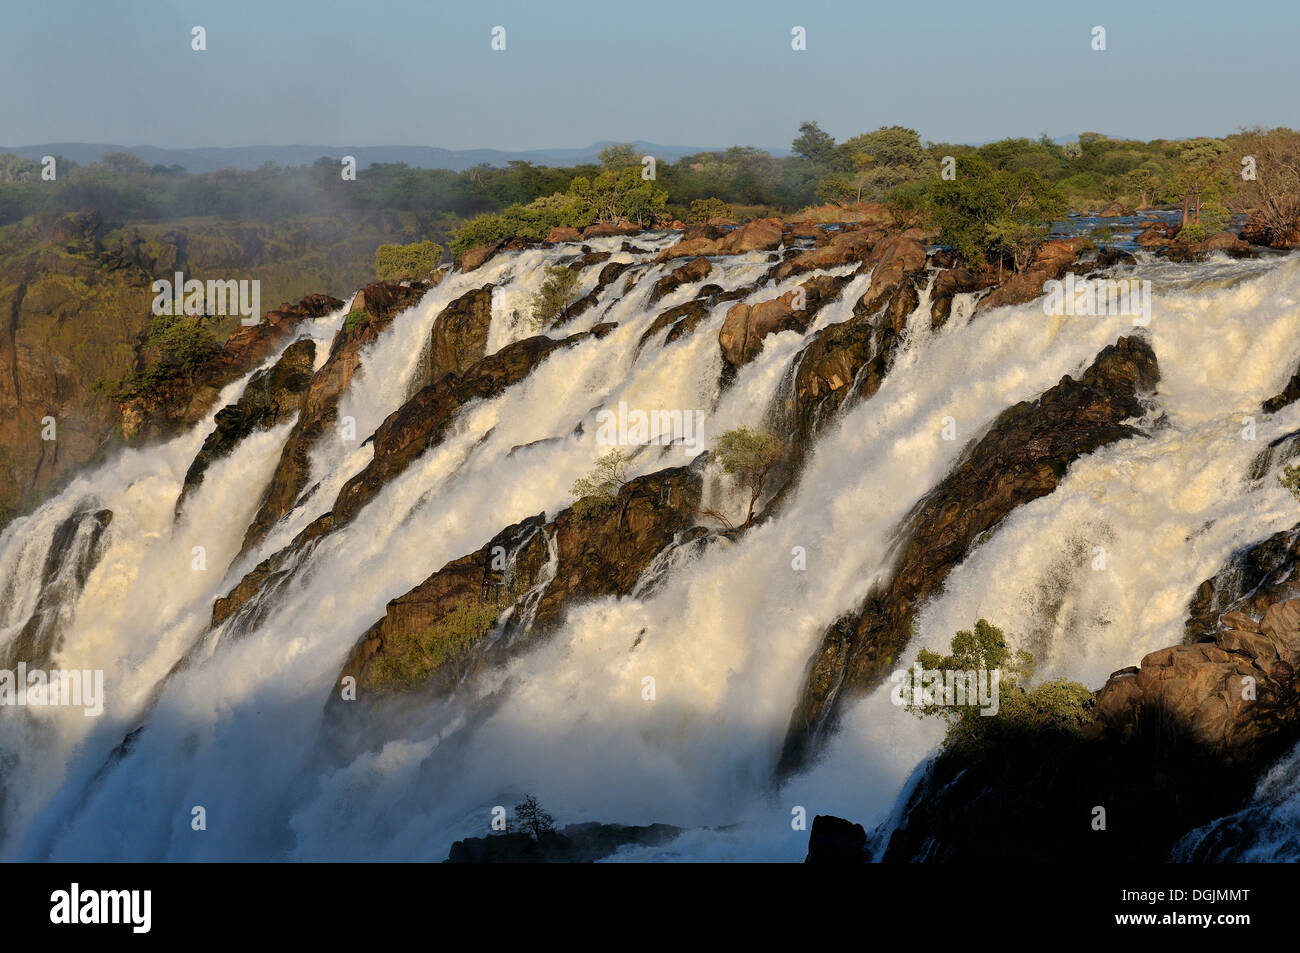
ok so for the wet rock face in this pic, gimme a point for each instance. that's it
(476, 610)
(891, 262)
(1235, 682)
(697, 269)
(575, 844)
(846, 360)
(75, 550)
(1023, 456)
(764, 234)
(1052, 261)
(380, 302)
(272, 396)
(423, 420)
(745, 326)
(183, 402)
(406, 433)
(460, 332)
(607, 275)
(510, 561)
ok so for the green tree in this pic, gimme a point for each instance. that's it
(749, 455)
(595, 493)
(813, 144)
(553, 299)
(1200, 176)
(618, 196)
(1290, 478)
(983, 213)
(1051, 707)
(418, 260)
(620, 156)
(706, 210)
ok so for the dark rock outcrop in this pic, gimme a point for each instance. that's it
(608, 274)
(697, 269)
(745, 326)
(1023, 456)
(271, 396)
(171, 406)
(380, 303)
(833, 840)
(422, 421)
(1226, 242)
(1172, 746)
(763, 234)
(406, 433)
(1051, 261)
(524, 588)
(460, 332)
(574, 844)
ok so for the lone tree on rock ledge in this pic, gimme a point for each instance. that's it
(532, 818)
(750, 454)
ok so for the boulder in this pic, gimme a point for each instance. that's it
(764, 234)
(1052, 261)
(476, 257)
(459, 335)
(606, 229)
(697, 269)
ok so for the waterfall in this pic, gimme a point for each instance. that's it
(724, 629)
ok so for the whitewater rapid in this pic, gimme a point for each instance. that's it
(726, 633)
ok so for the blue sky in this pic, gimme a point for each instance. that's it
(675, 72)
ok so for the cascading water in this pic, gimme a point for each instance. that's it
(725, 628)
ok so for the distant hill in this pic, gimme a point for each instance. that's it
(424, 157)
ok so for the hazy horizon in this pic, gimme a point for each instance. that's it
(717, 74)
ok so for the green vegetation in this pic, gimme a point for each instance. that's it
(175, 347)
(749, 455)
(355, 319)
(1056, 707)
(418, 260)
(986, 214)
(597, 492)
(553, 299)
(610, 197)
(409, 657)
(1290, 478)
(704, 211)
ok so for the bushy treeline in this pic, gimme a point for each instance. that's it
(992, 197)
